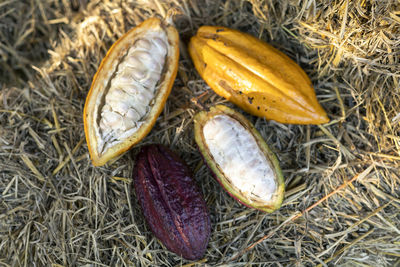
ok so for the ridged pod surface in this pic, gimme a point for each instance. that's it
(239, 158)
(130, 89)
(255, 76)
(172, 205)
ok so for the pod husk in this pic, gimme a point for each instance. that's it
(174, 208)
(199, 121)
(255, 76)
(97, 90)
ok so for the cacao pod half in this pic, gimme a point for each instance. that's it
(239, 158)
(172, 205)
(130, 89)
(255, 76)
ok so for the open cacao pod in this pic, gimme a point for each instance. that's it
(255, 76)
(130, 89)
(239, 158)
(174, 208)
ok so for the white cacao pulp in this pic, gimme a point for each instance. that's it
(132, 88)
(239, 157)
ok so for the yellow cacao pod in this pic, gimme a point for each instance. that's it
(130, 89)
(255, 76)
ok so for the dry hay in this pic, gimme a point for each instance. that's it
(342, 205)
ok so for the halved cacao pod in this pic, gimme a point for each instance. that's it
(239, 158)
(172, 205)
(255, 76)
(130, 89)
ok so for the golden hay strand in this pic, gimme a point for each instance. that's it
(57, 209)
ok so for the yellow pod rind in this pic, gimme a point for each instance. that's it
(96, 95)
(255, 76)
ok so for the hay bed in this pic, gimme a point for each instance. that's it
(342, 206)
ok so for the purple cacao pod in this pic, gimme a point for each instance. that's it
(174, 208)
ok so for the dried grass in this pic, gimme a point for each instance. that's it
(342, 206)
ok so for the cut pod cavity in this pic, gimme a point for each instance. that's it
(239, 158)
(130, 89)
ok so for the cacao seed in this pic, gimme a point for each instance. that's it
(239, 158)
(172, 205)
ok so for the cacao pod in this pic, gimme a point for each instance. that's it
(172, 205)
(239, 158)
(130, 89)
(255, 76)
